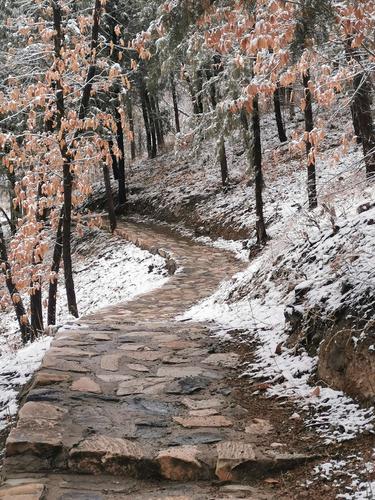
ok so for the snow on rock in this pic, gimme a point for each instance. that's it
(106, 272)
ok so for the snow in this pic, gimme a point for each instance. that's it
(106, 272)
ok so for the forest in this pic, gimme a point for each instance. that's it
(244, 126)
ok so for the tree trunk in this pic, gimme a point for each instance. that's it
(26, 330)
(290, 102)
(278, 115)
(55, 267)
(114, 160)
(67, 175)
(362, 115)
(121, 160)
(309, 125)
(129, 111)
(199, 87)
(109, 197)
(157, 122)
(223, 163)
(36, 309)
(151, 120)
(146, 123)
(175, 104)
(258, 176)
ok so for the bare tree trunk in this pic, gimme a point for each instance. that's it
(223, 163)
(157, 122)
(309, 125)
(175, 104)
(151, 120)
(290, 102)
(67, 175)
(114, 160)
(26, 330)
(146, 122)
(55, 267)
(199, 87)
(278, 115)
(129, 111)
(109, 197)
(363, 119)
(258, 176)
(36, 308)
(121, 160)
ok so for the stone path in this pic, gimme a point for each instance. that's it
(130, 403)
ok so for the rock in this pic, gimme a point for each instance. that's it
(86, 384)
(196, 438)
(134, 347)
(70, 352)
(214, 421)
(110, 362)
(137, 367)
(243, 491)
(181, 464)
(114, 455)
(145, 355)
(147, 385)
(201, 404)
(203, 413)
(295, 416)
(223, 359)
(150, 407)
(40, 437)
(43, 378)
(259, 426)
(28, 491)
(62, 365)
(232, 454)
(177, 345)
(101, 337)
(40, 410)
(112, 378)
(185, 371)
(188, 385)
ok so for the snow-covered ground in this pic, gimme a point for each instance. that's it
(106, 272)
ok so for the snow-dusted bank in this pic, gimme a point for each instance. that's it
(107, 272)
(256, 300)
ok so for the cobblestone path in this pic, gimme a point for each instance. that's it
(132, 403)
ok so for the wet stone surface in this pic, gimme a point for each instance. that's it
(132, 395)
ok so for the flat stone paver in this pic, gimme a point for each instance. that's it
(135, 397)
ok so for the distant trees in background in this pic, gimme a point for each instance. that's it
(87, 86)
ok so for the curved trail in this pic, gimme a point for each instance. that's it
(136, 401)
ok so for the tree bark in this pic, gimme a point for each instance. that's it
(175, 104)
(121, 160)
(309, 125)
(25, 328)
(260, 226)
(146, 122)
(108, 192)
(157, 122)
(223, 163)
(114, 160)
(151, 120)
(278, 115)
(129, 111)
(199, 87)
(55, 267)
(362, 101)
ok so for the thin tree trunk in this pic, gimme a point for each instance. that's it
(363, 117)
(55, 267)
(199, 86)
(157, 122)
(26, 330)
(114, 160)
(146, 123)
(223, 163)
(290, 102)
(36, 309)
(67, 175)
(175, 104)
(129, 111)
(121, 160)
(278, 115)
(309, 125)
(110, 205)
(260, 226)
(151, 119)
